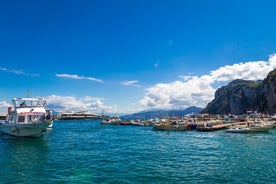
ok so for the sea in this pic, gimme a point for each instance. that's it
(88, 152)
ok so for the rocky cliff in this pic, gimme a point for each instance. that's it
(239, 96)
(269, 85)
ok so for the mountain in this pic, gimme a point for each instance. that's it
(241, 96)
(162, 113)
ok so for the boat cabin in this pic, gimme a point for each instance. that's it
(28, 102)
(27, 110)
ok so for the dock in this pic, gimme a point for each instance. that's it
(216, 127)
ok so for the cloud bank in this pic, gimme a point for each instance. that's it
(180, 94)
(71, 103)
(199, 90)
(4, 107)
(90, 104)
(74, 76)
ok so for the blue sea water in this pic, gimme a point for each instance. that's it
(88, 152)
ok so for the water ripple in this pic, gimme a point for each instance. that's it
(86, 152)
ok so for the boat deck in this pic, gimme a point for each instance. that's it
(216, 127)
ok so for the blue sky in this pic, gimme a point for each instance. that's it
(129, 55)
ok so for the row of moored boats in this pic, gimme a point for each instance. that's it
(250, 125)
(29, 118)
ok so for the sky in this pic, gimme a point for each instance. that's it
(125, 56)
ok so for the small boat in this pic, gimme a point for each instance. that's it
(238, 130)
(252, 128)
(171, 126)
(27, 118)
(137, 122)
(111, 121)
(126, 122)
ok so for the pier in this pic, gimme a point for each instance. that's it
(216, 127)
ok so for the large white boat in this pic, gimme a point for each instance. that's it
(27, 118)
(80, 115)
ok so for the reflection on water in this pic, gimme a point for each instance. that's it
(23, 158)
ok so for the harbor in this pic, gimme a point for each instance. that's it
(198, 122)
(138, 92)
(87, 152)
(203, 123)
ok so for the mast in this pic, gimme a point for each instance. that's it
(28, 93)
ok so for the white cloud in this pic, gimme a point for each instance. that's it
(74, 76)
(252, 70)
(131, 83)
(90, 104)
(63, 103)
(199, 90)
(18, 72)
(4, 107)
(178, 94)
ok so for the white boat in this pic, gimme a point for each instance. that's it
(137, 122)
(238, 130)
(252, 128)
(111, 121)
(80, 115)
(27, 118)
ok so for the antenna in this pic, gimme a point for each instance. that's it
(28, 93)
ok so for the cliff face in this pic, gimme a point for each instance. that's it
(270, 93)
(239, 96)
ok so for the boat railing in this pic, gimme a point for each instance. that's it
(28, 102)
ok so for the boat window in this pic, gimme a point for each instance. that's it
(33, 118)
(29, 119)
(16, 104)
(29, 103)
(21, 119)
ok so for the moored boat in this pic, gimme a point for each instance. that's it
(111, 121)
(27, 118)
(249, 128)
(80, 115)
(171, 126)
(238, 130)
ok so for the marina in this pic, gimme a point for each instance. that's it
(242, 124)
(138, 92)
(215, 127)
(88, 152)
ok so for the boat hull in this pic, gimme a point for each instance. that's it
(171, 127)
(237, 130)
(249, 129)
(25, 130)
